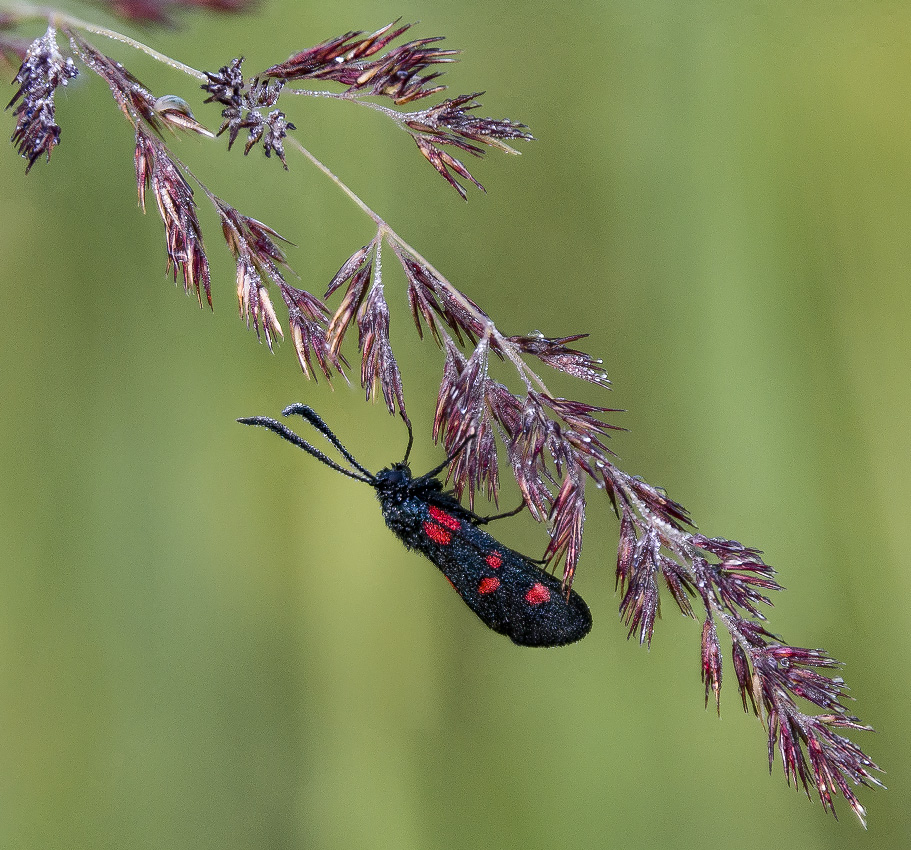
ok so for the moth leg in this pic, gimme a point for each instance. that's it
(483, 520)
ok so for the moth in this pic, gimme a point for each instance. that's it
(508, 591)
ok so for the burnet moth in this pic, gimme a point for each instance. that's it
(509, 592)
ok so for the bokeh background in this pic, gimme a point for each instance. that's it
(209, 640)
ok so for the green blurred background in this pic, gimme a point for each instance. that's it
(208, 640)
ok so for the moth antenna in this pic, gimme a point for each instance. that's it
(286, 433)
(317, 422)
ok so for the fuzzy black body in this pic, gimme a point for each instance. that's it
(506, 590)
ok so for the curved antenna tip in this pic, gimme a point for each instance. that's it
(297, 407)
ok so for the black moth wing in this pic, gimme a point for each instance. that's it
(528, 605)
(505, 589)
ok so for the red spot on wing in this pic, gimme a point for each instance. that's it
(537, 594)
(494, 561)
(437, 533)
(488, 585)
(444, 519)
